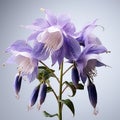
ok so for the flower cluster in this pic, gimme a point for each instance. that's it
(56, 37)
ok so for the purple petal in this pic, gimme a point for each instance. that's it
(96, 49)
(33, 75)
(40, 52)
(69, 28)
(92, 39)
(99, 64)
(42, 23)
(33, 36)
(19, 45)
(92, 93)
(43, 93)
(83, 77)
(17, 84)
(51, 18)
(63, 20)
(75, 76)
(58, 56)
(11, 59)
(85, 32)
(34, 96)
(72, 49)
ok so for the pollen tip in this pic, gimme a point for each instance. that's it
(29, 107)
(17, 96)
(38, 106)
(96, 111)
(42, 9)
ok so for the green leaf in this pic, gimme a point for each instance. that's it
(80, 86)
(69, 104)
(72, 87)
(49, 115)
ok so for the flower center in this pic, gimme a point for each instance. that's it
(52, 38)
(25, 64)
(90, 68)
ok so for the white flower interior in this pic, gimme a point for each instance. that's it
(25, 64)
(52, 37)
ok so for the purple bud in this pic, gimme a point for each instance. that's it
(92, 93)
(17, 84)
(75, 76)
(34, 96)
(43, 93)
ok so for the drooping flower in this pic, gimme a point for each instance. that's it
(54, 35)
(89, 60)
(21, 54)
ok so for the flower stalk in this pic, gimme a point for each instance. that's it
(60, 93)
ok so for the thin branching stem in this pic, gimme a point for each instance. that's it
(53, 92)
(50, 70)
(68, 69)
(60, 93)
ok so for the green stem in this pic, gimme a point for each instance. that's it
(60, 93)
(68, 69)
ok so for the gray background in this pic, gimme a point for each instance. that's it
(13, 13)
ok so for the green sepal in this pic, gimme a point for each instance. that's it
(49, 115)
(69, 104)
(44, 73)
(72, 87)
(80, 86)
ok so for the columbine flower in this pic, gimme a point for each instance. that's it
(89, 60)
(21, 54)
(87, 37)
(54, 35)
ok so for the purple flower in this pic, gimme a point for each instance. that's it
(21, 54)
(54, 35)
(89, 60)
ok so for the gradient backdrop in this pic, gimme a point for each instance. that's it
(14, 13)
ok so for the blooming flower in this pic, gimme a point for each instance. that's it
(88, 60)
(54, 35)
(21, 54)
